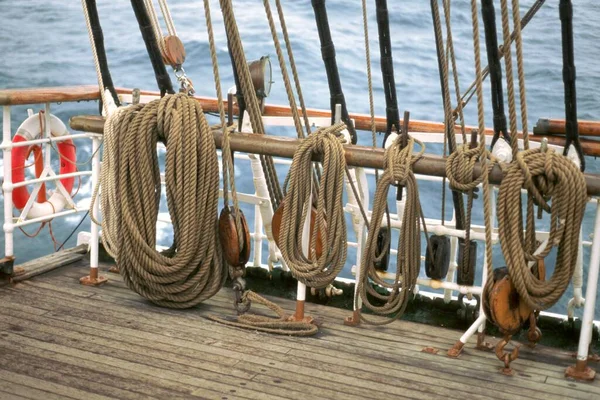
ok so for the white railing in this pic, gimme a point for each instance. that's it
(8, 186)
(263, 214)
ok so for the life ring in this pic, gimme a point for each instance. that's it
(30, 130)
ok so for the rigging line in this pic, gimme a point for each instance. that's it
(226, 153)
(151, 41)
(333, 75)
(521, 72)
(510, 85)
(239, 59)
(491, 43)
(468, 94)
(96, 35)
(569, 76)
(449, 121)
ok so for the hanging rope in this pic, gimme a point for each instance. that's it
(329, 224)
(192, 271)
(460, 164)
(545, 175)
(398, 164)
(470, 92)
(226, 154)
(250, 98)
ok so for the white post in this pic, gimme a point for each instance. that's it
(581, 370)
(96, 207)
(7, 185)
(258, 232)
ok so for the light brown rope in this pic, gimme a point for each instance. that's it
(545, 175)
(398, 170)
(250, 97)
(226, 155)
(330, 223)
(192, 271)
(280, 325)
(510, 85)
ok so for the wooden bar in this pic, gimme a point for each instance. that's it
(13, 97)
(362, 121)
(357, 156)
(546, 126)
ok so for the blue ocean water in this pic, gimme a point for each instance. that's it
(47, 45)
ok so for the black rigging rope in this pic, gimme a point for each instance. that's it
(160, 70)
(333, 75)
(491, 43)
(98, 38)
(569, 76)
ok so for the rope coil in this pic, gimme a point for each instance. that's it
(398, 170)
(545, 175)
(330, 224)
(192, 269)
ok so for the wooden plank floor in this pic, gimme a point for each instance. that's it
(60, 340)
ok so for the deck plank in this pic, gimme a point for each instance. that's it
(391, 363)
(56, 333)
(448, 364)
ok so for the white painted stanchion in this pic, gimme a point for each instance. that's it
(94, 278)
(581, 370)
(7, 189)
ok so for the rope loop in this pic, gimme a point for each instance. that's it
(377, 294)
(547, 176)
(131, 191)
(330, 223)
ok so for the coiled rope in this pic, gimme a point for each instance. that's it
(397, 170)
(545, 175)
(192, 270)
(317, 272)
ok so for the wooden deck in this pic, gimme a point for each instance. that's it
(60, 340)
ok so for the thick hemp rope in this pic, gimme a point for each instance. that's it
(397, 170)
(330, 223)
(192, 270)
(545, 175)
(280, 325)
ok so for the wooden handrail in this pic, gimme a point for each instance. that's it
(359, 156)
(362, 121)
(546, 126)
(13, 97)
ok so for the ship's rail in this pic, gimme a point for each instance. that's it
(262, 211)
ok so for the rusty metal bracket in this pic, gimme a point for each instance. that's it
(455, 351)
(580, 371)
(7, 265)
(482, 344)
(353, 320)
(506, 357)
(534, 334)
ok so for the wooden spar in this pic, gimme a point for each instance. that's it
(363, 121)
(356, 156)
(557, 127)
(9, 97)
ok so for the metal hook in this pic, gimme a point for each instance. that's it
(506, 357)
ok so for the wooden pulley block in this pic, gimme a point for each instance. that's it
(465, 273)
(228, 236)
(437, 257)
(383, 238)
(174, 54)
(276, 228)
(507, 310)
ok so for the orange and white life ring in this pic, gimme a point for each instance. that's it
(30, 130)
